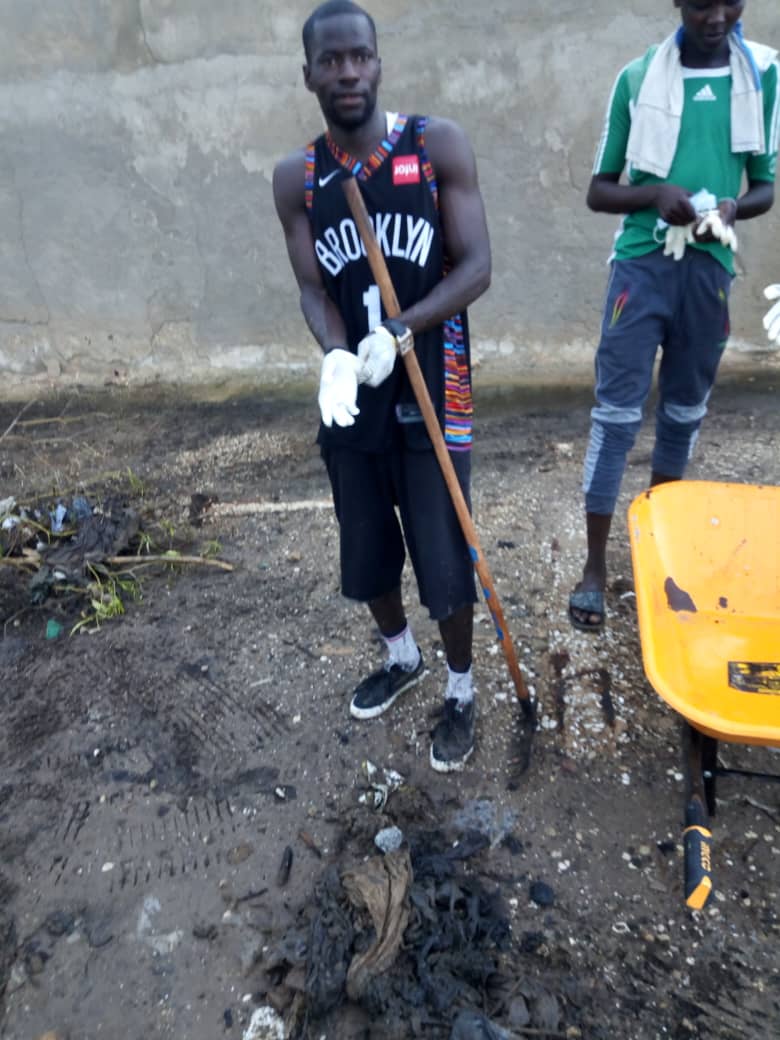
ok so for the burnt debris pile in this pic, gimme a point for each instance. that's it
(410, 943)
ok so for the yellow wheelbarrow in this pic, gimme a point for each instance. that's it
(706, 559)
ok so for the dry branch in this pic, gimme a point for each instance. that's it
(16, 420)
(259, 508)
(65, 419)
(118, 561)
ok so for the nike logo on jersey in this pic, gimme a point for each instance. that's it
(324, 180)
(398, 235)
(705, 94)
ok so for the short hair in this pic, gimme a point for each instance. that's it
(328, 10)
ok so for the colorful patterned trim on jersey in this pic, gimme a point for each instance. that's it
(427, 166)
(364, 170)
(458, 404)
(309, 178)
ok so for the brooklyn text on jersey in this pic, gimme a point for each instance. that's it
(398, 234)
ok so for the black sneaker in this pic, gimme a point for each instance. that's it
(453, 737)
(376, 693)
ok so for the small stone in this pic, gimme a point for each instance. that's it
(265, 1024)
(205, 930)
(531, 942)
(513, 844)
(17, 978)
(239, 853)
(36, 962)
(541, 894)
(251, 954)
(98, 931)
(60, 922)
(389, 839)
(519, 1015)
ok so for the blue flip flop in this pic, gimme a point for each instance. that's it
(589, 601)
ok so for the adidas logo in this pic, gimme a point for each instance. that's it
(705, 94)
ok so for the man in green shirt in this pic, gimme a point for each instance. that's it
(688, 125)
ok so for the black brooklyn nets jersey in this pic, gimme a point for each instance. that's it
(399, 189)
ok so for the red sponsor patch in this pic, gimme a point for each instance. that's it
(406, 169)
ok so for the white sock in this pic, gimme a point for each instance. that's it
(460, 686)
(403, 650)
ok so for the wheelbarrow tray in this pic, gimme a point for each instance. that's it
(706, 559)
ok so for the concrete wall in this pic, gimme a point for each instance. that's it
(138, 137)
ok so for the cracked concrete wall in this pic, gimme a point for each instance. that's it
(137, 140)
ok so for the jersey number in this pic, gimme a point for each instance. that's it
(372, 301)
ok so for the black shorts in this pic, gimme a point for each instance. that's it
(367, 488)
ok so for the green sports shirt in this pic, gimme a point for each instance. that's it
(703, 158)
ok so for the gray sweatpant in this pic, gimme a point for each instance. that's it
(652, 301)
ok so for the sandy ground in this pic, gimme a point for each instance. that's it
(154, 772)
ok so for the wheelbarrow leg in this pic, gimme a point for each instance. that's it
(698, 757)
(709, 762)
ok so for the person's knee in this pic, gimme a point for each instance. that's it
(605, 462)
(621, 417)
(613, 430)
(684, 416)
(677, 430)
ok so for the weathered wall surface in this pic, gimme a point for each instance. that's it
(138, 137)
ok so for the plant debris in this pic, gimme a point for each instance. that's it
(74, 547)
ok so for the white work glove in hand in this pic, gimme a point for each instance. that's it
(678, 236)
(714, 223)
(772, 316)
(377, 354)
(338, 387)
(378, 350)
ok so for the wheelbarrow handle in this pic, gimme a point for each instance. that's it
(697, 839)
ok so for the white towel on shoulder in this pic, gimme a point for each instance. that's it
(657, 114)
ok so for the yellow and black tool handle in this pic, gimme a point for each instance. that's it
(697, 842)
(387, 291)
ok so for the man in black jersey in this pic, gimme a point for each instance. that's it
(418, 179)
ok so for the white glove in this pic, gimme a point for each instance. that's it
(377, 353)
(772, 316)
(725, 233)
(338, 387)
(678, 236)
